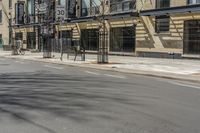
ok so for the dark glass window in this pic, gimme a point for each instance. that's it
(191, 43)
(122, 5)
(10, 31)
(65, 34)
(0, 16)
(19, 13)
(31, 11)
(162, 24)
(31, 40)
(1, 40)
(162, 3)
(71, 8)
(122, 39)
(90, 39)
(18, 36)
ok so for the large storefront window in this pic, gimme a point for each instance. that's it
(122, 39)
(122, 5)
(31, 40)
(90, 39)
(191, 41)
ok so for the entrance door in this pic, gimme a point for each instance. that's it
(1, 41)
(122, 39)
(31, 40)
(90, 39)
(191, 43)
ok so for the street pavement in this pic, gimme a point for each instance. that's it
(38, 97)
(183, 69)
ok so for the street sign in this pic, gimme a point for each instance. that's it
(60, 12)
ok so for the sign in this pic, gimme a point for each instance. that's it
(60, 12)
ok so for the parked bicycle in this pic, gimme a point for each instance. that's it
(21, 51)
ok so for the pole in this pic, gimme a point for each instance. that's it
(103, 49)
(60, 40)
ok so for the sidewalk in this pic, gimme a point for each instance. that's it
(183, 69)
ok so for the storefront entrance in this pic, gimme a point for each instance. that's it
(1, 41)
(122, 39)
(90, 39)
(31, 40)
(191, 43)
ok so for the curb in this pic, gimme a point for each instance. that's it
(127, 71)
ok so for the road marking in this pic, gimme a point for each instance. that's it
(115, 76)
(185, 85)
(92, 73)
(59, 68)
(179, 84)
(19, 62)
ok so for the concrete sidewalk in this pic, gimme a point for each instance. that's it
(182, 69)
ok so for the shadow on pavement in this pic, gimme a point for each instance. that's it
(77, 98)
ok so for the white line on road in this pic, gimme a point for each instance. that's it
(92, 73)
(185, 85)
(19, 62)
(59, 68)
(115, 76)
(179, 84)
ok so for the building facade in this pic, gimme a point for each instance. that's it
(153, 28)
(4, 20)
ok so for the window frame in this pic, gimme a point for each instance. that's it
(159, 7)
(160, 21)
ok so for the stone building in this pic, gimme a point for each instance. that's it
(149, 28)
(4, 20)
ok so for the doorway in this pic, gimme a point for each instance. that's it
(191, 42)
(31, 40)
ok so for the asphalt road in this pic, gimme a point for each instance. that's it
(48, 98)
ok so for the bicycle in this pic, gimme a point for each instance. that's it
(21, 51)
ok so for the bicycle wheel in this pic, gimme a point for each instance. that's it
(22, 52)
